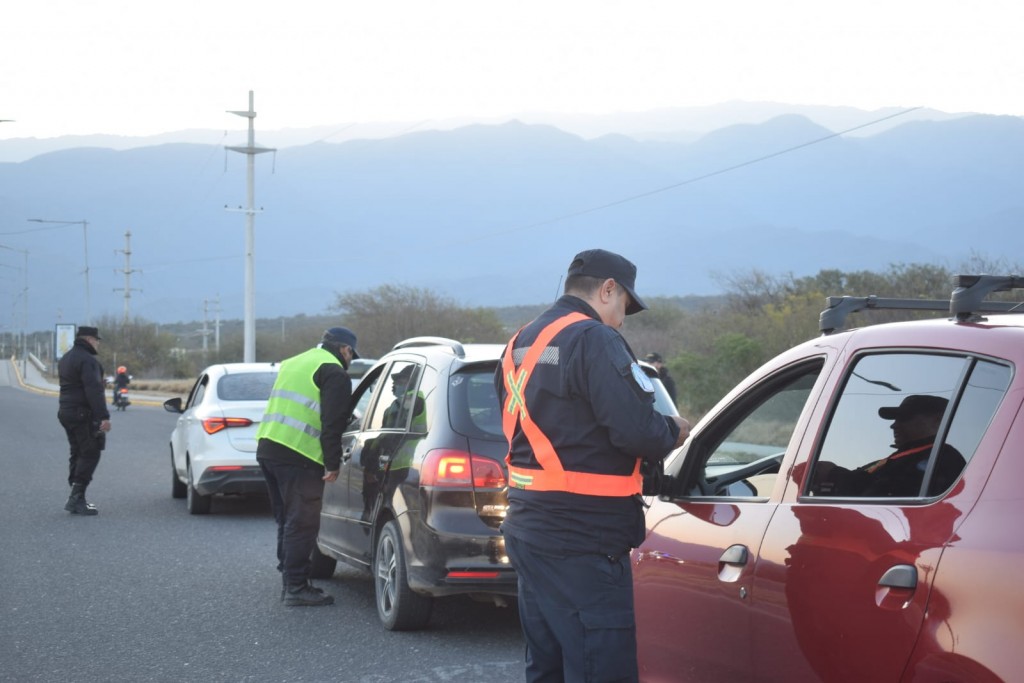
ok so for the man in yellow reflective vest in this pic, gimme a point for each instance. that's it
(578, 412)
(299, 449)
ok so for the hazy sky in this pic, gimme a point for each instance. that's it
(134, 67)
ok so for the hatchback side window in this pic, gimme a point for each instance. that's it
(362, 400)
(198, 391)
(743, 450)
(906, 424)
(399, 400)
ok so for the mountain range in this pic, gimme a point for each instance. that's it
(489, 214)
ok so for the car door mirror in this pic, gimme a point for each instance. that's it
(173, 405)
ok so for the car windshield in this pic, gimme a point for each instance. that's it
(662, 401)
(246, 386)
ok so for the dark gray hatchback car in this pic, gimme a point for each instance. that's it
(423, 483)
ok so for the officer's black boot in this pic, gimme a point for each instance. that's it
(77, 505)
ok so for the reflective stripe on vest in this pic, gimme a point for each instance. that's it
(292, 417)
(552, 476)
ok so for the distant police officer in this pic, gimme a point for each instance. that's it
(299, 448)
(82, 411)
(579, 416)
(658, 362)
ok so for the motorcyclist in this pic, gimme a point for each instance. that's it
(121, 381)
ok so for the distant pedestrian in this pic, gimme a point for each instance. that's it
(578, 412)
(299, 448)
(83, 413)
(658, 362)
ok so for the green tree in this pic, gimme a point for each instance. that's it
(138, 345)
(704, 379)
(383, 316)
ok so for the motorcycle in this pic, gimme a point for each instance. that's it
(121, 398)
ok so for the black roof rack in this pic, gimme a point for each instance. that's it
(414, 342)
(965, 303)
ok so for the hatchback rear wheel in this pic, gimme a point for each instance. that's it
(398, 606)
(178, 489)
(196, 503)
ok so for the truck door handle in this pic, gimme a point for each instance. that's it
(346, 455)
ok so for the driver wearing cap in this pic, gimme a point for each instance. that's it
(915, 424)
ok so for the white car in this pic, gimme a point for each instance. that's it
(213, 444)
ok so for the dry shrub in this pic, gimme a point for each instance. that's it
(170, 387)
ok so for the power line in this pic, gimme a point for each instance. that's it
(689, 181)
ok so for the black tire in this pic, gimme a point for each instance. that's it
(196, 503)
(178, 488)
(323, 566)
(399, 608)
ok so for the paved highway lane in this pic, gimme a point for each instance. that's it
(146, 592)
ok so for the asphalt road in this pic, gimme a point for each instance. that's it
(146, 592)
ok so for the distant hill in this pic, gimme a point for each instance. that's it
(491, 214)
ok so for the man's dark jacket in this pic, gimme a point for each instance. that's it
(81, 381)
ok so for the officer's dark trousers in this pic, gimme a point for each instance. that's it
(576, 613)
(295, 497)
(84, 444)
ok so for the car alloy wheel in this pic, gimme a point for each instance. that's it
(399, 607)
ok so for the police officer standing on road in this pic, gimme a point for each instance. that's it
(658, 362)
(299, 448)
(579, 416)
(82, 411)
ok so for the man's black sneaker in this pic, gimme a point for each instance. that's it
(306, 595)
(77, 504)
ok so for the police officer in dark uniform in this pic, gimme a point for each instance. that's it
(579, 416)
(658, 362)
(83, 413)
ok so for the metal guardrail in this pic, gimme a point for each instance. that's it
(40, 365)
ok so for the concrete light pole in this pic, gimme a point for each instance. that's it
(250, 150)
(85, 241)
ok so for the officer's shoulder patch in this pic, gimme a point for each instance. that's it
(641, 378)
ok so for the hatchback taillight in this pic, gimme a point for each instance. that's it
(459, 469)
(212, 425)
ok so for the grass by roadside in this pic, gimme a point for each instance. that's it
(164, 387)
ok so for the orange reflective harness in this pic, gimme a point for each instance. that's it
(552, 476)
(879, 464)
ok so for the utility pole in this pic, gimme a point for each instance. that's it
(250, 150)
(216, 327)
(127, 275)
(206, 331)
